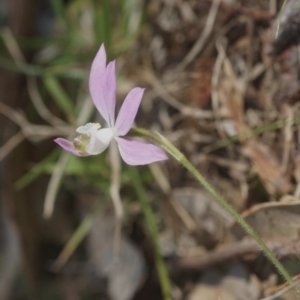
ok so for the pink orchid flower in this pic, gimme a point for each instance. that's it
(92, 140)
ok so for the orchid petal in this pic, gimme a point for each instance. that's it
(135, 153)
(128, 111)
(110, 91)
(69, 147)
(97, 82)
(99, 141)
(88, 129)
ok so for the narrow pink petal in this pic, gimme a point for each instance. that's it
(128, 111)
(69, 147)
(97, 83)
(110, 91)
(135, 153)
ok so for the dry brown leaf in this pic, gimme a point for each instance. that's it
(283, 292)
(235, 284)
(297, 167)
(208, 215)
(268, 168)
(273, 221)
(200, 90)
(264, 162)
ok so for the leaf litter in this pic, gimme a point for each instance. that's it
(251, 81)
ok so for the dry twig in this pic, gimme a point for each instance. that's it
(173, 102)
(245, 246)
(15, 52)
(12, 143)
(115, 163)
(210, 21)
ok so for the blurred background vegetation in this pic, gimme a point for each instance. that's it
(46, 51)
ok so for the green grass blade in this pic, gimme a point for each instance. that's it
(254, 132)
(37, 170)
(103, 24)
(150, 221)
(59, 95)
(32, 70)
(75, 240)
(279, 19)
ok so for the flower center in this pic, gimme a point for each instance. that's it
(81, 141)
(86, 132)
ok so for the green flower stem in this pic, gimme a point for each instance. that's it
(173, 151)
(149, 217)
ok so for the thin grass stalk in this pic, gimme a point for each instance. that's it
(279, 19)
(251, 133)
(150, 221)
